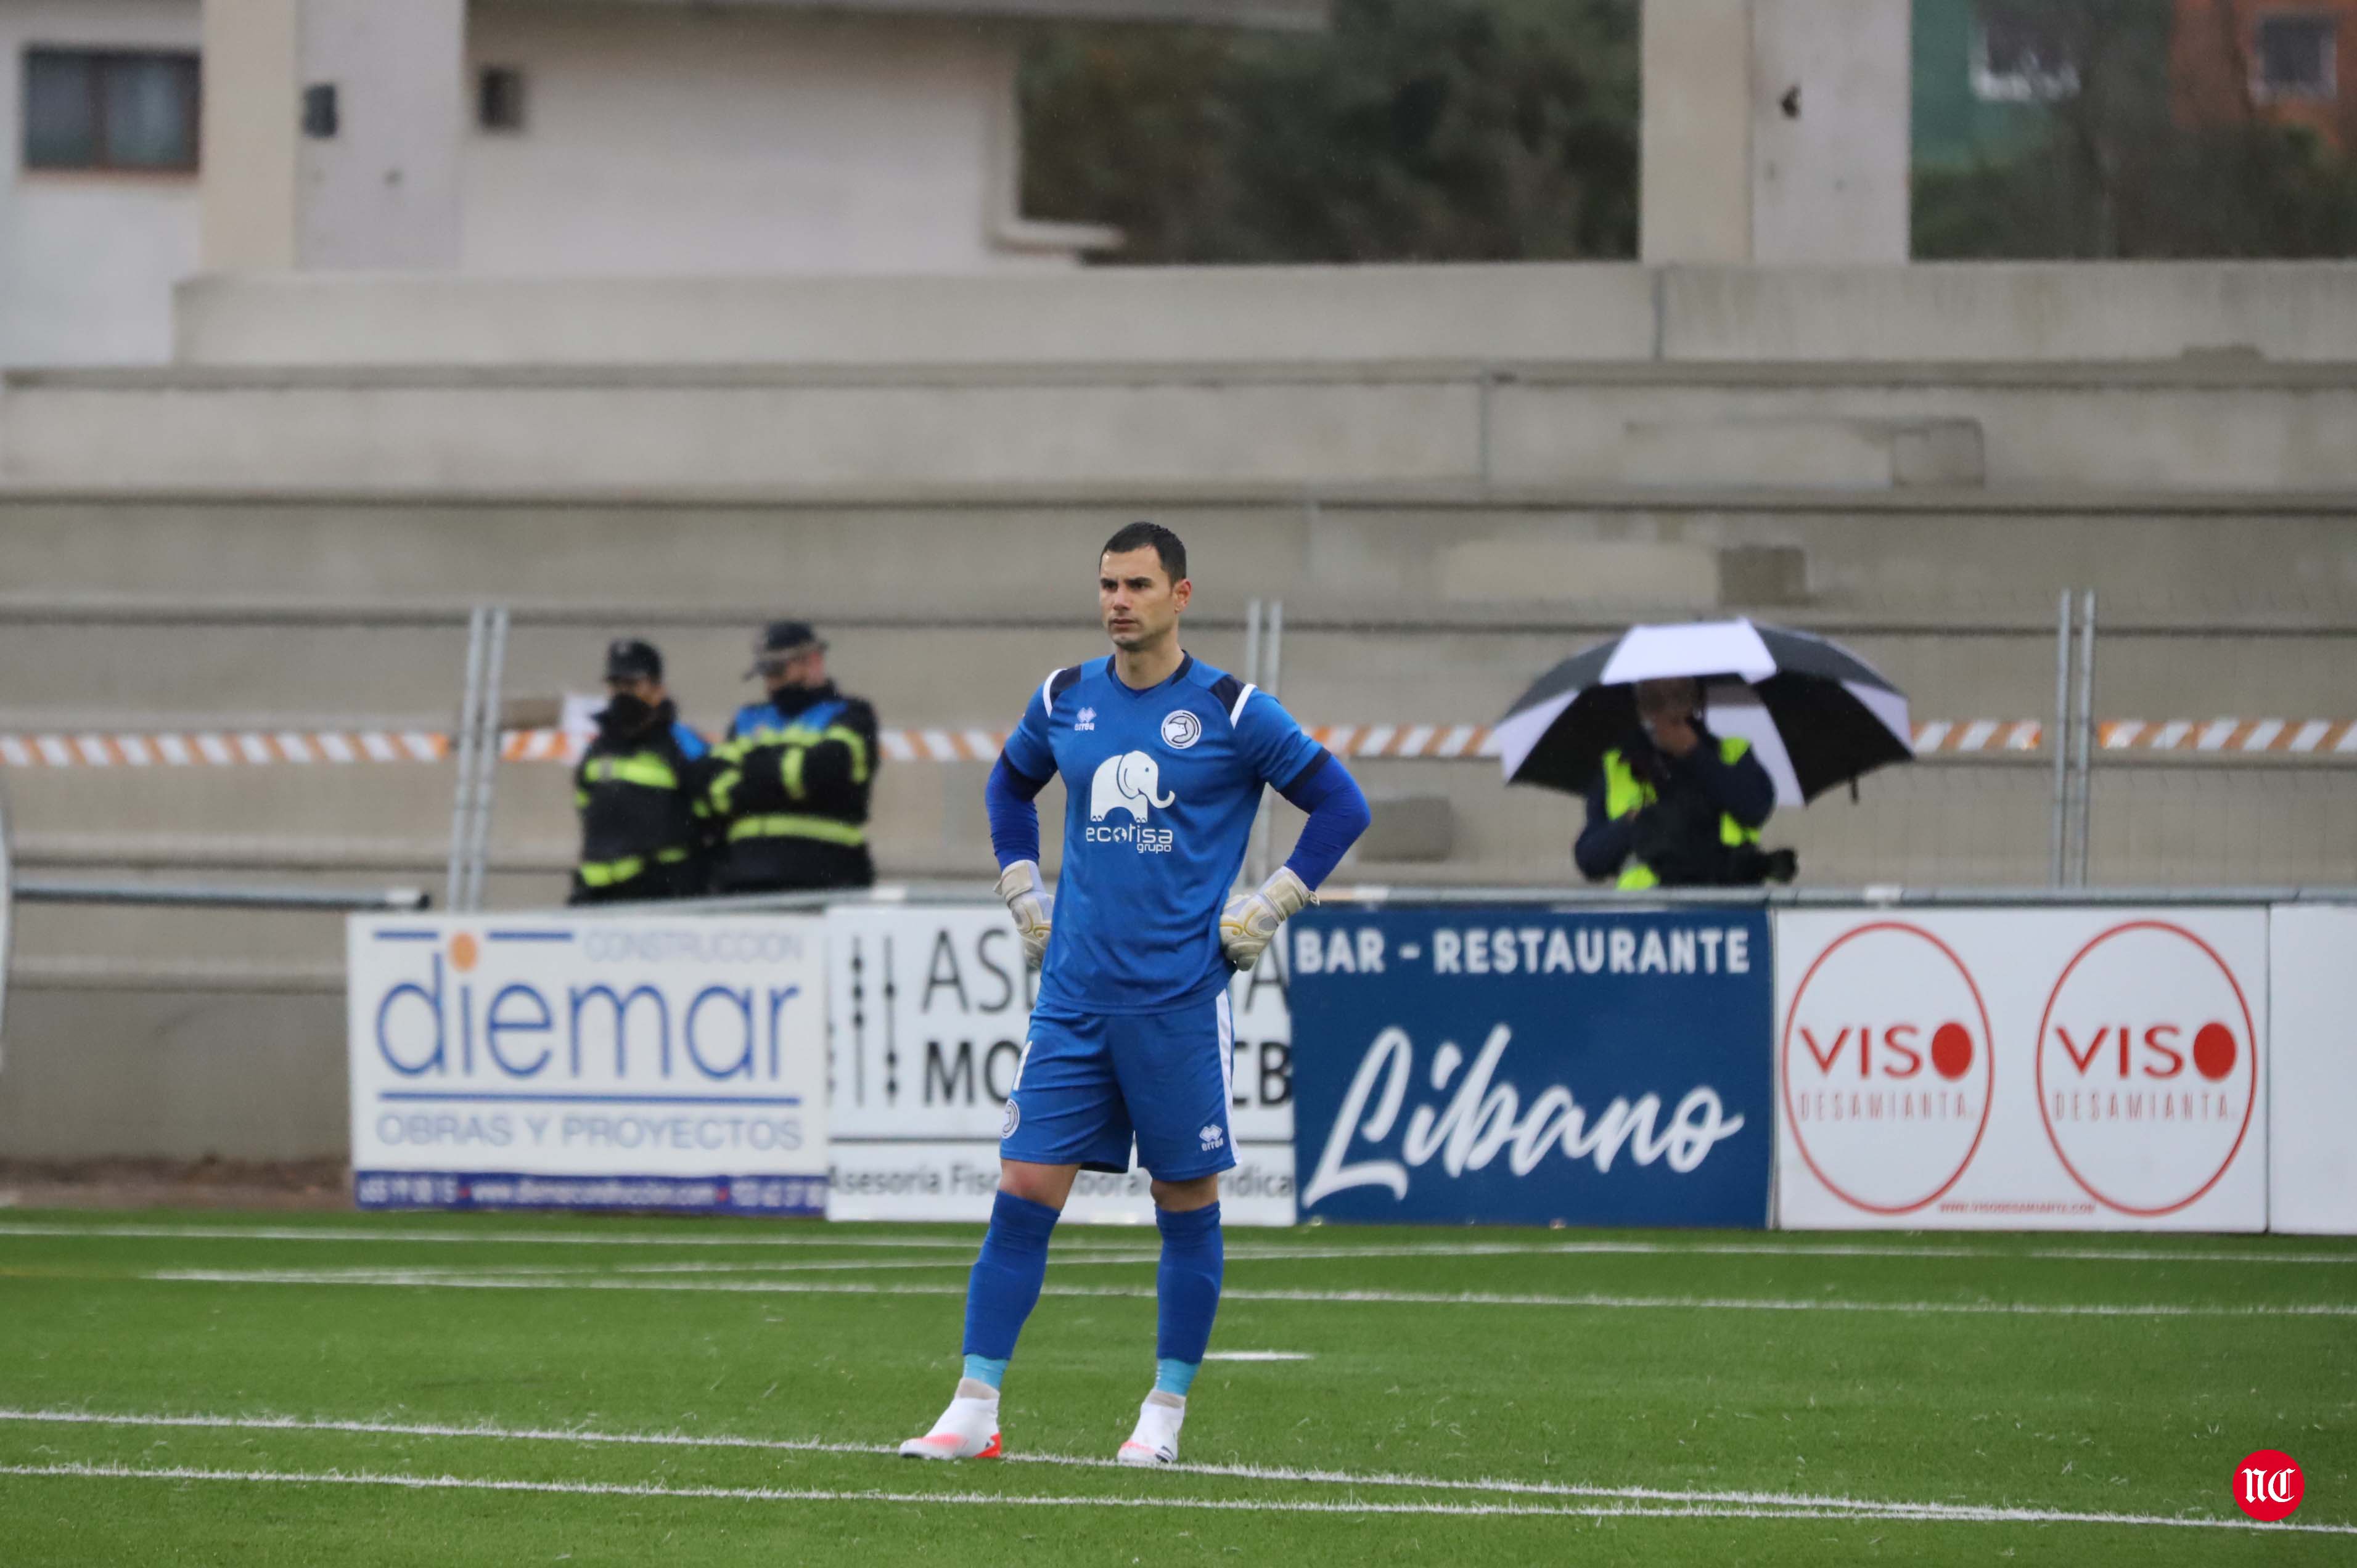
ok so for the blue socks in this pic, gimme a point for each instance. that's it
(1004, 1285)
(1186, 1290)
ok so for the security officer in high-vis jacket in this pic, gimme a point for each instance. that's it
(792, 780)
(641, 790)
(1676, 806)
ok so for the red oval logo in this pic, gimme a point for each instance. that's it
(2268, 1485)
(2148, 1068)
(1886, 1067)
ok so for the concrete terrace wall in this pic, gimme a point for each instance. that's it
(1965, 312)
(2213, 428)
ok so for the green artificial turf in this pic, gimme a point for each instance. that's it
(1729, 1369)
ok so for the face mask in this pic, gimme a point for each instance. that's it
(626, 714)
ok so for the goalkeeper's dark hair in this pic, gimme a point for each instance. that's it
(1152, 536)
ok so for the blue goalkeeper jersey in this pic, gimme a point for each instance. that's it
(1161, 788)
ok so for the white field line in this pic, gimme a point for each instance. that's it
(1284, 1474)
(1259, 1355)
(1237, 1247)
(1216, 1505)
(425, 1280)
(528, 1238)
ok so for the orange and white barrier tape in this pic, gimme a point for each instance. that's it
(220, 748)
(2293, 737)
(2300, 737)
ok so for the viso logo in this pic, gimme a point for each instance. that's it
(2146, 1068)
(1886, 1067)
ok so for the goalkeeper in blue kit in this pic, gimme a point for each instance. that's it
(1163, 759)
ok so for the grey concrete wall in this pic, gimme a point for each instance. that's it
(92, 1072)
(2200, 428)
(1973, 312)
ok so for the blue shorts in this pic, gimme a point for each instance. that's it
(1088, 1084)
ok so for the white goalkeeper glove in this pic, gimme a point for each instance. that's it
(1249, 921)
(1033, 907)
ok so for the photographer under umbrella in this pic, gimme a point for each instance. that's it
(1683, 738)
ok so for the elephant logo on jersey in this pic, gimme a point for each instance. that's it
(1129, 782)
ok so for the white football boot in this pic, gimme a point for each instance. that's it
(1155, 1441)
(967, 1430)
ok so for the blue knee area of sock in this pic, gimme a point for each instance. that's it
(1187, 1288)
(1004, 1285)
(991, 1369)
(1175, 1376)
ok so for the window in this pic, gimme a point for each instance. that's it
(321, 118)
(2294, 57)
(2020, 56)
(88, 108)
(499, 99)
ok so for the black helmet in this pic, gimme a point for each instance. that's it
(781, 640)
(627, 659)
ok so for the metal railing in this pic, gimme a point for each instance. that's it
(2111, 810)
(478, 755)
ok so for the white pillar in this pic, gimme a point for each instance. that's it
(1694, 132)
(1831, 139)
(376, 189)
(1775, 131)
(252, 53)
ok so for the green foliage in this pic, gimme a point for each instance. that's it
(1414, 130)
(2120, 170)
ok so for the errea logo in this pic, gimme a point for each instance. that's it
(1212, 1138)
(1086, 719)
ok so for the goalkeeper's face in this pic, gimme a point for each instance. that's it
(1139, 603)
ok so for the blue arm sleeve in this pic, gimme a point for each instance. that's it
(1604, 843)
(1741, 788)
(1007, 800)
(1338, 815)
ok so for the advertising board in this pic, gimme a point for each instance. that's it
(930, 1007)
(2312, 1068)
(1525, 1066)
(626, 1061)
(2022, 1068)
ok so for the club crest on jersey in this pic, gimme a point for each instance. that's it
(1013, 1120)
(1086, 719)
(1128, 786)
(1181, 729)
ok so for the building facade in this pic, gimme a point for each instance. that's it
(147, 140)
(1986, 71)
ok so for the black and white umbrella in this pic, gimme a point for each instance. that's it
(1817, 715)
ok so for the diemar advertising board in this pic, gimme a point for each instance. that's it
(929, 1008)
(590, 1062)
(1525, 1066)
(2091, 1068)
